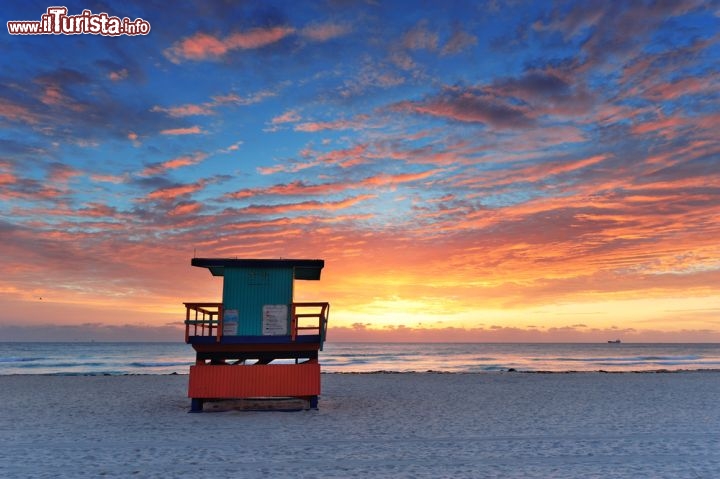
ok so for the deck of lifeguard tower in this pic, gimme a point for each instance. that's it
(258, 342)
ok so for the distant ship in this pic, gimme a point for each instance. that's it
(614, 341)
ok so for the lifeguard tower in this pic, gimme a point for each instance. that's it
(257, 343)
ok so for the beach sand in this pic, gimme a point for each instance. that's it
(505, 425)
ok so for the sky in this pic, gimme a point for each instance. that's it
(469, 171)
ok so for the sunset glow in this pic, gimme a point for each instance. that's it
(469, 171)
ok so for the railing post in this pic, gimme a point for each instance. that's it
(293, 321)
(220, 315)
(187, 324)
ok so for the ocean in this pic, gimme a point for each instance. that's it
(101, 358)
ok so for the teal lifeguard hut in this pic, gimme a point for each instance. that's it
(258, 342)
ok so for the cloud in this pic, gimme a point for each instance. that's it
(186, 208)
(420, 38)
(175, 191)
(63, 109)
(315, 126)
(233, 98)
(361, 332)
(14, 111)
(300, 188)
(118, 75)
(611, 31)
(458, 41)
(98, 210)
(178, 162)
(61, 173)
(305, 206)
(321, 32)
(192, 130)
(134, 137)
(90, 332)
(295, 188)
(470, 105)
(185, 110)
(290, 116)
(664, 126)
(16, 187)
(210, 107)
(234, 147)
(682, 87)
(202, 46)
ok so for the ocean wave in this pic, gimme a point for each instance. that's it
(44, 364)
(19, 360)
(639, 359)
(159, 364)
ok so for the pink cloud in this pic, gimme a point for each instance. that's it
(52, 95)
(193, 130)
(117, 179)
(203, 46)
(233, 98)
(185, 208)
(173, 192)
(180, 161)
(290, 116)
(384, 180)
(7, 178)
(299, 188)
(306, 206)
(578, 333)
(15, 112)
(685, 86)
(471, 106)
(458, 41)
(315, 126)
(325, 31)
(118, 75)
(664, 126)
(98, 210)
(294, 188)
(420, 37)
(542, 171)
(185, 110)
(60, 173)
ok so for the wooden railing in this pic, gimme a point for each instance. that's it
(203, 318)
(309, 317)
(206, 319)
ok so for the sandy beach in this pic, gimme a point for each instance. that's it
(578, 425)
